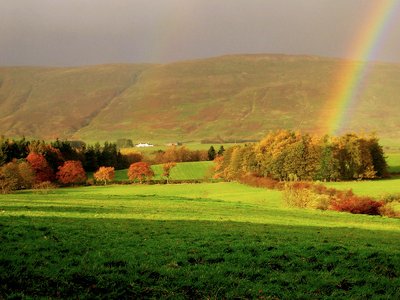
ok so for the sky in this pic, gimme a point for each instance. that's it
(84, 32)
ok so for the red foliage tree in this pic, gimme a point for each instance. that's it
(140, 171)
(104, 174)
(71, 172)
(41, 167)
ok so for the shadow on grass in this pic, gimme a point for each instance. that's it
(131, 258)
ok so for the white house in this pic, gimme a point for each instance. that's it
(142, 145)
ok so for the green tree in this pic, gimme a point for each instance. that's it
(221, 150)
(211, 153)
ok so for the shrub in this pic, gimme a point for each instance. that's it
(357, 205)
(44, 186)
(297, 197)
(388, 210)
(264, 182)
(320, 201)
(388, 198)
(71, 172)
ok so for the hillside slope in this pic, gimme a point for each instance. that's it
(55, 102)
(240, 96)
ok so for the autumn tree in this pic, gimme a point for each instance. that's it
(167, 167)
(140, 171)
(16, 175)
(105, 174)
(41, 167)
(289, 155)
(71, 172)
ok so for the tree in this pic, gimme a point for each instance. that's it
(71, 172)
(41, 167)
(16, 175)
(167, 167)
(91, 159)
(221, 150)
(124, 143)
(211, 153)
(108, 156)
(140, 171)
(218, 167)
(105, 174)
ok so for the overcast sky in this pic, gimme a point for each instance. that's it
(81, 32)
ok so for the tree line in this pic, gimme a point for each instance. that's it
(290, 155)
(26, 164)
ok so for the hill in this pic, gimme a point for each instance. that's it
(228, 97)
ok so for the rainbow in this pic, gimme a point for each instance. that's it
(351, 75)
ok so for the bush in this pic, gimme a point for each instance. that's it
(388, 210)
(264, 182)
(44, 186)
(389, 198)
(297, 197)
(357, 205)
(320, 201)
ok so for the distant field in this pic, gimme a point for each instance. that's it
(393, 160)
(373, 188)
(187, 171)
(221, 240)
(182, 171)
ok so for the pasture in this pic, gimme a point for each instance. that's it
(393, 160)
(209, 240)
(197, 170)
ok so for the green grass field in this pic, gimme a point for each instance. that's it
(393, 160)
(197, 170)
(220, 240)
(373, 188)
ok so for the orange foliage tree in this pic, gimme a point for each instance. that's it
(40, 166)
(167, 167)
(105, 174)
(71, 172)
(140, 171)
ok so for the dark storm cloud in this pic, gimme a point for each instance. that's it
(76, 32)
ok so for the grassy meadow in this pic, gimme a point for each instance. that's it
(197, 170)
(209, 240)
(393, 160)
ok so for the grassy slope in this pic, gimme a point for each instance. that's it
(55, 102)
(220, 240)
(244, 96)
(231, 96)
